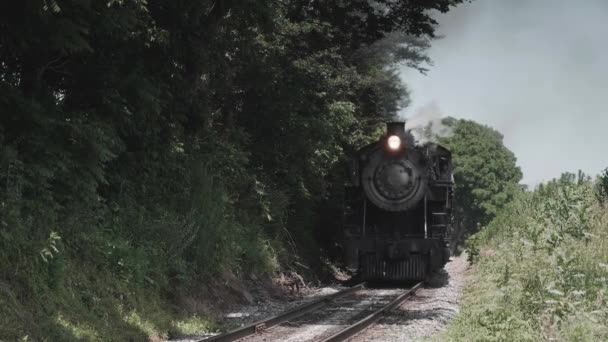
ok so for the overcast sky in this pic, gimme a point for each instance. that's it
(536, 70)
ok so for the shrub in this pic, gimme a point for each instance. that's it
(547, 277)
(602, 187)
(472, 248)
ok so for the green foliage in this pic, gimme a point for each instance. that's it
(602, 187)
(148, 146)
(472, 248)
(542, 274)
(485, 173)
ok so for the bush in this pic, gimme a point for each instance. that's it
(472, 249)
(108, 265)
(547, 277)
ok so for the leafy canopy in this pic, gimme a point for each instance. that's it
(159, 142)
(485, 172)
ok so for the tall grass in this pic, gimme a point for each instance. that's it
(542, 270)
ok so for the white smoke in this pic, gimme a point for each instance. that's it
(426, 124)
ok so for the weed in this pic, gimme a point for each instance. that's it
(547, 277)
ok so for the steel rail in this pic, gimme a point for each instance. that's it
(284, 317)
(361, 325)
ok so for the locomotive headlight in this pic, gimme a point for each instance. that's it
(394, 142)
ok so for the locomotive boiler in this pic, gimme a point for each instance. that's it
(398, 209)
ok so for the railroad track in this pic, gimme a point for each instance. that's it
(351, 330)
(369, 320)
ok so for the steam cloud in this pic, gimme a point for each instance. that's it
(426, 124)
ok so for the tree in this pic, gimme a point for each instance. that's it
(485, 172)
(186, 137)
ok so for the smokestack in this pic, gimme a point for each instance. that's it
(395, 128)
(398, 128)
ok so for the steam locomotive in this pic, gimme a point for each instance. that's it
(397, 216)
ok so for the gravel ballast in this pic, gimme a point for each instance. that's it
(423, 315)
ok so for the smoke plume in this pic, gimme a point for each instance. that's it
(427, 125)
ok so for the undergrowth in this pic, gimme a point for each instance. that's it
(112, 272)
(540, 269)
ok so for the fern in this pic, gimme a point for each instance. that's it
(51, 249)
(51, 5)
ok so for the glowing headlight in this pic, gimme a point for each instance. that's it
(394, 142)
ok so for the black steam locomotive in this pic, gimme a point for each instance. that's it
(398, 212)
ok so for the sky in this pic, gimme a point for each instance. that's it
(535, 70)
